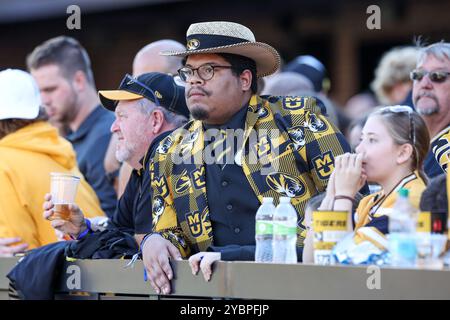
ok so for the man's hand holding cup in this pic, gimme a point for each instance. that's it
(60, 208)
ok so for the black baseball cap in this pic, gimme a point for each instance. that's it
(157, 87)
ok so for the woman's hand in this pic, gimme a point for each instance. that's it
(327, 202)
(204, 260)
(348, 178)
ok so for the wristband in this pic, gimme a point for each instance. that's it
(144, 239)
(140, 253)
(147, 236)
(85, 232)
(341, 197)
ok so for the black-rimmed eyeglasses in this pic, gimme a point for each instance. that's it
(205, 72)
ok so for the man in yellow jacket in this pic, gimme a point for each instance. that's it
(30, 148)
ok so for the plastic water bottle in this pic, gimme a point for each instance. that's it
(264, 231)
(402, 231)
(284, 242)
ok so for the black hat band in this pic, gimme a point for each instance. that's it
(208, 41)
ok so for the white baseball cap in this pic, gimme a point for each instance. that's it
(19, 95)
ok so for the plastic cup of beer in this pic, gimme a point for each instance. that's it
(63, 187)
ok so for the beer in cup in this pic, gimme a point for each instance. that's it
(63, 188)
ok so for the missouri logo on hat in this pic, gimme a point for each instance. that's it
(229, 37)
(192, 44)
(157, 87)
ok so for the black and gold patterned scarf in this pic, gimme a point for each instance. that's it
(289, 149)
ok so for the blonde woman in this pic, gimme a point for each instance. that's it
(392, 83)
(393, 146)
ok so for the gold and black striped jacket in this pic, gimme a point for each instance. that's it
(289, 149)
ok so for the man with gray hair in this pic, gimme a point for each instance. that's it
(146, 60)
(431, 96)
(147, 109)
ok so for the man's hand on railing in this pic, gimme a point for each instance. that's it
(204, 260)
(7, 249)
(74, 226)
(156, 252)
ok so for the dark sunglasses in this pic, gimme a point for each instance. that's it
(135, 86)
(434, 76)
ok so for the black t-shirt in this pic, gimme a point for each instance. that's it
(134, 209)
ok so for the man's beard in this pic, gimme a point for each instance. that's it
(123, 154)
(69, 110)
(199, 113)
(430, 110)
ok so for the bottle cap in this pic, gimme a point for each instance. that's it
(267, 200)
(403, 192)
(285, 200)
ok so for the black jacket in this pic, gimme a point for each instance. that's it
(37, 274)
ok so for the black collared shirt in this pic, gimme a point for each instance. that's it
(90, 142)
(231, 200)
(134, 209)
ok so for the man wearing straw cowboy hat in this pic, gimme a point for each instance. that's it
(273, 146)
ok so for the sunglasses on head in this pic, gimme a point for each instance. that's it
(409, 111)
(412, 131)
(434, 76)
(138, 87)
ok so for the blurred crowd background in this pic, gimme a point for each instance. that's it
(335, 32)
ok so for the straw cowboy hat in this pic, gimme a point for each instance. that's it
(229, 37)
